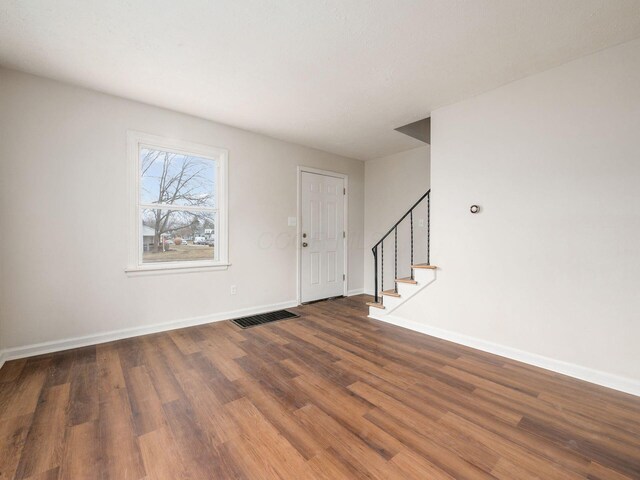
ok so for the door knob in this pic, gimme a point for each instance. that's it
(305, 244)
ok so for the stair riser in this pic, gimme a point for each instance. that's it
(391, 302)
(422, 275)
(407, 289)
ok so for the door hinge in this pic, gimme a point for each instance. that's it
(344, 191)
(344, 276)
(344, 234)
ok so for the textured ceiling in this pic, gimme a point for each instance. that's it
(338, 75)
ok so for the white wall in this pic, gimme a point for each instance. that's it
(392, 184)
(64, 211)
(551, 265)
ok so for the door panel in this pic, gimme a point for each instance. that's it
(322, 224)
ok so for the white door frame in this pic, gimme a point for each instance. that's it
(328, 173)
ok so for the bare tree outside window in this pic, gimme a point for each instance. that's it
(178, 206)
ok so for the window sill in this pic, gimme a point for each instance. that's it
(144, 270)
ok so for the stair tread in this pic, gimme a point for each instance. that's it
(406, 280)
(390, 293)
(374, 304)
(424, 265)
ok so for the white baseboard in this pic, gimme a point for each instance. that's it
(604, 379)
(356, 291)
(66, 344)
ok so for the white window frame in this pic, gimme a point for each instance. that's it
(137, 140)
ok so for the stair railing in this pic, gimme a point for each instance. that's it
(394, 230)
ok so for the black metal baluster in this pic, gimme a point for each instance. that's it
(375, 269)
(382, 268)
(395, 268)
(411, 266)
(429, 227)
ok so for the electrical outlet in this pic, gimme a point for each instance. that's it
(234, 289)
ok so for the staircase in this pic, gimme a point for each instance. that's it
(421, 274)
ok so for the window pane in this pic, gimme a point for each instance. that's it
(176, 179)
(175, 236)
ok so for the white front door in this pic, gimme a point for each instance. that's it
(322, 240)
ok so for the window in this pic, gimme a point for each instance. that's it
(179, 217)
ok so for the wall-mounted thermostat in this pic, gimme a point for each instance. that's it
(474, 209)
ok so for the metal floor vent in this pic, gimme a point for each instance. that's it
(255, 320)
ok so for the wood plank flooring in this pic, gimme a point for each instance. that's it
(330, 395)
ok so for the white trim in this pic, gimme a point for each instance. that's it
(319, 171)
(75, 342)
(356, 291)
(328, 173)
(623, 384)
(168, 268)
(221, 156)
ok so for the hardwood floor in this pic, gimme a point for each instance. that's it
(329, 395)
